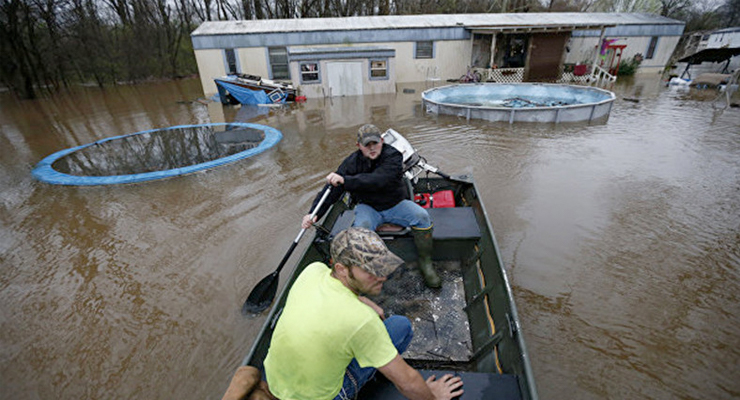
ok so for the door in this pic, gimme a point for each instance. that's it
(545, 55)
(344, 78)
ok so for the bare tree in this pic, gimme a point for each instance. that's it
(674, 8)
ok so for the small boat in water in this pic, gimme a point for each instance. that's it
(469, 326)
(252, 89)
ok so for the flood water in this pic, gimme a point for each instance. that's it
(621, 241)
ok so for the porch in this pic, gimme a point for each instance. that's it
(567, 73)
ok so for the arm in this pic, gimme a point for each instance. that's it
(372, 305)
(410, 383)
(335, 194)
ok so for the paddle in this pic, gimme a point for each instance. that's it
(264, 292)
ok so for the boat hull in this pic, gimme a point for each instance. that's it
(493, 357)
(236, 90)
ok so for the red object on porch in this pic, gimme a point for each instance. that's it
(616, 52)
(580, 69)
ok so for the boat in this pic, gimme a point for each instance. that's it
(470, 326)
(253, 89)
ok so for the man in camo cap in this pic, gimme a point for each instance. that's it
(360, 247)
(330, 339)
(373, 175)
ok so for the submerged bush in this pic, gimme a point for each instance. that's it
(629, 67)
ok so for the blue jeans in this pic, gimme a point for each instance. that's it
(399, 329)
(405, 213)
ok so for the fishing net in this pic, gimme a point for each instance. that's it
(441, 329)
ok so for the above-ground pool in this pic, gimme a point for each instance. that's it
(520, 102)
(156, 154)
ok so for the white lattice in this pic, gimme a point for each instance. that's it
(516, 75)
(569, 77)
(503, 75)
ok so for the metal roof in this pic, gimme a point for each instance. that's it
(727, 30)
(713, 55)
(518, 21)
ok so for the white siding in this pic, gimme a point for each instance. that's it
(210, 65)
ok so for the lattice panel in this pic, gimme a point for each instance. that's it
(569, 77)
(503, 75)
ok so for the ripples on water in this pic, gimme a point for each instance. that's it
(621, 241)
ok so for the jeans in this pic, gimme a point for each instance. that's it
(405, 213)
(399, 329)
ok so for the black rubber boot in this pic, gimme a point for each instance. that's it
(424, 245)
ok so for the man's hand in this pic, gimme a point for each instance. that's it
(308, 221)
(335, 179)
(411, 384)
(445, 388)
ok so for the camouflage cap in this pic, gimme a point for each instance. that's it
(363, 248)
(368, 133)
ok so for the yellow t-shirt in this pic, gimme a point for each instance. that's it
(322, 328)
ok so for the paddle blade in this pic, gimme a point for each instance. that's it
(262, 295)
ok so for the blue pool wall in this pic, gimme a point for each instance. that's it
(45, 173)
(478, 101)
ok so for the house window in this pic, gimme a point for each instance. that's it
(279, 62)
(651, 47)
(310, 72)
(230, 56)
(424, 49)
(378, 69)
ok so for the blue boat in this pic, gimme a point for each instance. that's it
(252, 89)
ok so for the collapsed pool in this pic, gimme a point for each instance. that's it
(155, 154)
(520, 102)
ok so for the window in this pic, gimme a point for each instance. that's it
(230, 56)
(651, 48)
(378, 69)
(424, 49)
(279, 63)
(310, 72)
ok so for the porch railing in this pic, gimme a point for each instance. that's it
(597, 76)
(600, 76)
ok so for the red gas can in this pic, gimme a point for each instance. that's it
(423, 199)
(443, 199)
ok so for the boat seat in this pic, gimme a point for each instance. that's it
(477, 385)
(449, 223)
(392, 229)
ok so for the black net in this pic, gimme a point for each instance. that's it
(159, 150)
(441, 329)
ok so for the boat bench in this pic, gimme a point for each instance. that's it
(449, 223)
(477, 385)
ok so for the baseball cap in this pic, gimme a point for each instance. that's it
(363, 248)
(368, 133)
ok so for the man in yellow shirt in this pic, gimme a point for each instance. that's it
(330, 339)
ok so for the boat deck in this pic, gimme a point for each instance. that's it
(441, 329)
(441, 333)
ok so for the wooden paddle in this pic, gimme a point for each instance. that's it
(264, 292)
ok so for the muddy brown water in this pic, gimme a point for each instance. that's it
(621, 241)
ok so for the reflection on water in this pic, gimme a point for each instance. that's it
(620, 239)
(159, 150)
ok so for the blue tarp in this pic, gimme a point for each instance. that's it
(244, 95)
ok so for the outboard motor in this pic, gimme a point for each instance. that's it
(413, 164)
(410, 156)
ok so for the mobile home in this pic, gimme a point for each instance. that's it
(380, 54)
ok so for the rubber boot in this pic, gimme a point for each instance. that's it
(423, 241)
